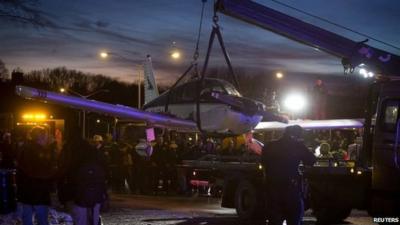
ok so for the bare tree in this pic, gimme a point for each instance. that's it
(23, 11)
(83, 83)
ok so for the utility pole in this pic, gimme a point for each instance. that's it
(139, 85)
(64, 90)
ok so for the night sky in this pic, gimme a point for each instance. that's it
(77, 30)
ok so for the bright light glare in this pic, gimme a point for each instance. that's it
(31, 117)
(317, 151)
(176, 55)
(371, 74)
(279, 75)
(295, 102)
(365, 73)
(62, 90)
(103, 55)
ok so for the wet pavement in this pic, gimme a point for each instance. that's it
(162, 210)
(166, 210)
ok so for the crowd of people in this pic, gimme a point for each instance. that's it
(84, 171)
(144, 167)
(77, 174)
(339, 145)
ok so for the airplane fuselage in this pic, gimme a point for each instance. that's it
(216, 116)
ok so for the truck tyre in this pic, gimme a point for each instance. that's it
(331, 215)
(248, 203)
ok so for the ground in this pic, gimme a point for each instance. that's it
(150, 210)
(163, 210)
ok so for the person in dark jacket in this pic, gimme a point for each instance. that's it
(159, 161)
(6, 152)
(68, 161)
(320, 96)
(89, 180)
(35, 174)
(281, 160)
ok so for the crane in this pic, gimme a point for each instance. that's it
(352, 53)
(377, 187)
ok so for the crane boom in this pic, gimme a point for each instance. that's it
(352, 53)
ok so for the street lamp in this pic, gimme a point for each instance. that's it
(105, 55)
(175, 54)
(279, 75)
(64, 90)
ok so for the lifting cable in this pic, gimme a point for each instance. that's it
(193, 64)
(200, 85)
(336, 24)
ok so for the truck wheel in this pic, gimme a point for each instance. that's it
(248, 204)
(331, 215)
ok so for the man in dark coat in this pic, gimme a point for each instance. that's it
(281, 160)
(36, 171)
(159, 161)
(320, 95)
(6, 152)
(89, 180)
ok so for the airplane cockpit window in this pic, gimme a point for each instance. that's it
(213, 86)
(231, 90)
(218, 89)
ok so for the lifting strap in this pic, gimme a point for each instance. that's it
(200, 85)
(193, 64)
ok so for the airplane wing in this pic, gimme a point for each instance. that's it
(312, 124)
(119, 111)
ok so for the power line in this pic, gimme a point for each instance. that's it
(335, 24)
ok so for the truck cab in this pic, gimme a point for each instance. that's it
(333, 187)
(385, 153)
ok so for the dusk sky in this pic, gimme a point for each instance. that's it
(78, 30)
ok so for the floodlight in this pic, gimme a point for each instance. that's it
(295, 102)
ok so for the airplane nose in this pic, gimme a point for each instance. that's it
(251, 107)
(248, 107)
(261, 107)
(258, 108)
(244, 105)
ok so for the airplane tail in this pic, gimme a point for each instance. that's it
(150, 87)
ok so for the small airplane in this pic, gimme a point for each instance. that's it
(223, 110)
